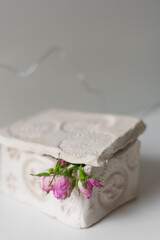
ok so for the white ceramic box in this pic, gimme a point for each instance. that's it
(106, 144)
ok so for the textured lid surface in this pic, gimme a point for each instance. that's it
(80, 137)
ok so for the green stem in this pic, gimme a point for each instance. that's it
(71, 169)
(82, 175)
(52, 180)
(64, 164)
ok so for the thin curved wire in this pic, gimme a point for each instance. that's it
(62, 54)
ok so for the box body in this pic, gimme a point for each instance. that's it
(119, 177)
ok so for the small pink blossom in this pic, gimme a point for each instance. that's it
(90, 183)
(62, 187)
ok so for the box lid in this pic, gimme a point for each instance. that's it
(79, 137)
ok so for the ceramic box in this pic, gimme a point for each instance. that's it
(107, 144)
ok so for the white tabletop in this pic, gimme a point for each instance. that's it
(139, 219)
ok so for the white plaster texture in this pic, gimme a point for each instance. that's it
(107, 144)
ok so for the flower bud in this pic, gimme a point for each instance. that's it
(62, 187)
(90, 183)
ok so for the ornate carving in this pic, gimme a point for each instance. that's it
(32, 130)
(33, 184)
(13, 153)
(114, 188)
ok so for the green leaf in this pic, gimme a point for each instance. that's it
(65, 173)
(73, 185)
(71, 169)
(57, 166)
(49, 156)
(82, 175)
(84, 184)
(88, 177)
(64, 164)
(41, 174)
(77, 186)
(51, 170)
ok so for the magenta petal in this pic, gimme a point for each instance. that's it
(95, 183)
(59, 194)
(86, 193)
(62, 187)
(46, 184)
(61, 183)
(89, 185)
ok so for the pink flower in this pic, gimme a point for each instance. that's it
(62, 187)
(90, 183)
(48, 183)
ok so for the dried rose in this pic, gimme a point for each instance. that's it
(63, 178)
(89, 184)
(62, 187)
